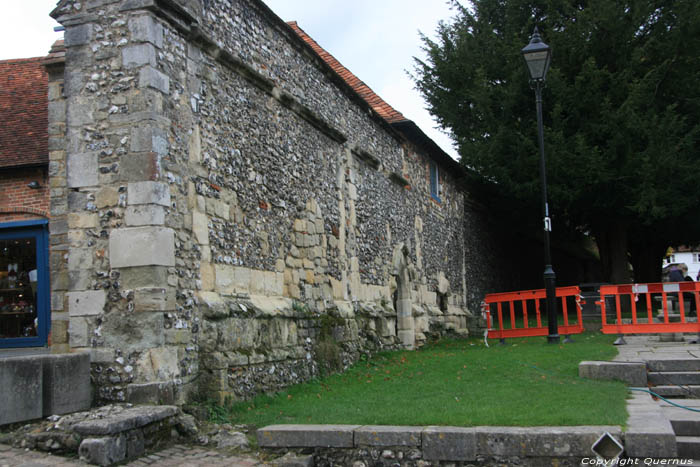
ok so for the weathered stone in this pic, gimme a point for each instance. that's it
(86, 303)
(145, 215)
(138, 55)
(80, 34)
(142, 246)
(330, 436)
(146, 29)
(103, 451)
(129, 419)
(148, 193)
(388, 436)
(632, 373)
(149, 138)
(449, 444)
(81, 169)
(21, 381)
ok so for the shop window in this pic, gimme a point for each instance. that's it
(24, 303)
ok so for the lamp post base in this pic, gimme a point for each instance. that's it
(553, 339)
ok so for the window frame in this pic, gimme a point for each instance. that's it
(38, 229)
(434, 179)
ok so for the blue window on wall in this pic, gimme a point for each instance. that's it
(24, 284)
(434, 182)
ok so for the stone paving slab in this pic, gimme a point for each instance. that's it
(176, 456)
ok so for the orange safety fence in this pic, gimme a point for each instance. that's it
(650, 308)
(514, 311)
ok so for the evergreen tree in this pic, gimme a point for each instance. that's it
(621, 115)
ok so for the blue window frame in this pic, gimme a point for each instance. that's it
(434, 182)
(24, 284)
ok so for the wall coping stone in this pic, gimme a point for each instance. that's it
(447, 443)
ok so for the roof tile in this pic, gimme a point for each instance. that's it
(23, 112)
(384, 110)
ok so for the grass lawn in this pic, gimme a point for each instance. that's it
(454, 382)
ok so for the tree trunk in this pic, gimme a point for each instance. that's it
(646, 259)
(612, 245)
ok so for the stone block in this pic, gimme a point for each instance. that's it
(82, 220)
(129, 419)
(138, 55)
(145, 215)
(159, 364)
(106, 197)
(303, 436)
(146, 29)
(150, 393)
(139, 167)
(66, 383)
(86, 303)
(133, 331)
(21, 381)
(144, 276)
(200, 227)
(79, 258)
(632, 373)
(565, 441)
(150, 77)
(449, 443)
(78, 332)
(78, 35)
(81, 169)
(142, 246)
(79, 111)
(388, 436)
(107, 450)
(154, 299)
(149, 138)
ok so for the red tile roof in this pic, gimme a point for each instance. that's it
(384, 110)
(23, 112)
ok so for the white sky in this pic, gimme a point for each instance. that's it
(375, 39)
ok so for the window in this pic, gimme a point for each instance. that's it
(696, 257)
(434, 182)
(24, 301)
(671, 259)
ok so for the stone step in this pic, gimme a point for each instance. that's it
(667, 390)
(688, 447)
(673, 377)
(674, 365)
(684, 422)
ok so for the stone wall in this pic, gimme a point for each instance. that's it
(235, 217)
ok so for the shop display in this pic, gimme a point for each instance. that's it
(18, 316)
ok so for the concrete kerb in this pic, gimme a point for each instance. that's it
(439, 443)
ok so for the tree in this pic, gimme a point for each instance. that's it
(622, 109)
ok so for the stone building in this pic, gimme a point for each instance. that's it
(232, 211)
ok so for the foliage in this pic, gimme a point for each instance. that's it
(621, 114)
(458, 383)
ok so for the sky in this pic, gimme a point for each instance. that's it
(375, 39)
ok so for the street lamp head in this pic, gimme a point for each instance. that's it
(537, 55)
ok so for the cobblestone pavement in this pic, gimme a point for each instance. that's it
(179, 455)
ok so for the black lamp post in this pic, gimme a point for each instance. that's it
(537, 56)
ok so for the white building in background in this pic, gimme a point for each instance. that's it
(690, 256)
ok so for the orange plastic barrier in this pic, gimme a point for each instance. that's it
(624, 300)
(517, 305)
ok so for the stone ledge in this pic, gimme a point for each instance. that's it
(378, 435)
(136, 417)
(304, 436)
(443, 443)
(632, 373)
